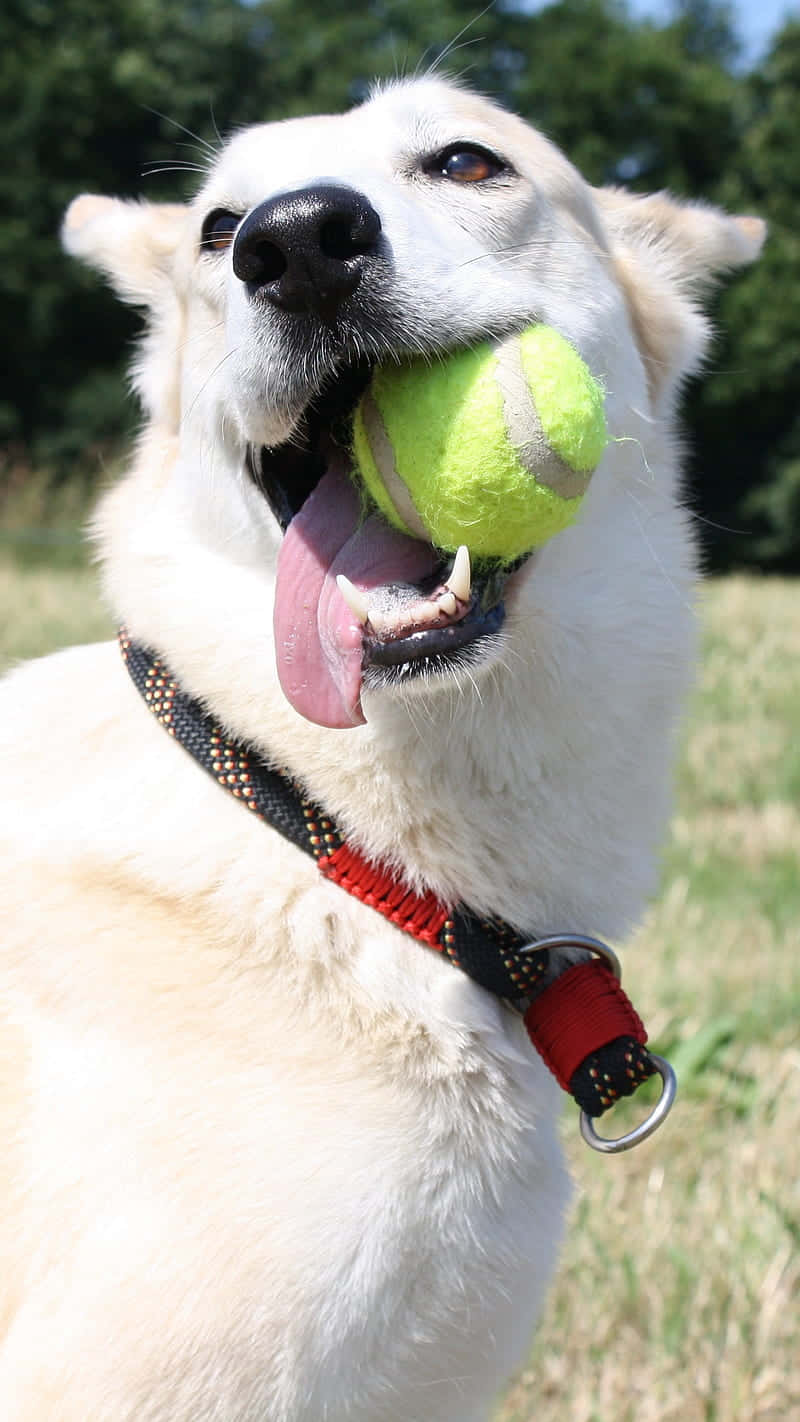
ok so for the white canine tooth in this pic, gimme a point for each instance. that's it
(355, 600)
(460, 579)
(448, 602)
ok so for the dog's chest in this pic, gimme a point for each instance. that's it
(301, 1167)
(394, 1246)
(304, 1229)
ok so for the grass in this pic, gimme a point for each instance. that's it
(48, 608)
(42, 519)
(679, 1294)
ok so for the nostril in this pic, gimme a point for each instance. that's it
(272, 261)
(335, 239)
(342, 239)
(259, 261)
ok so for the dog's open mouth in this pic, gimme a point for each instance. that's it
(356, 600)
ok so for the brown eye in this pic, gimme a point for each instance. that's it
(218, 230)
(465, 164)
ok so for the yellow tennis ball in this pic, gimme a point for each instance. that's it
(493, 446)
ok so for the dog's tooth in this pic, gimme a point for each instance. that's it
(381, 625)
(448, 602)
(355, 600)
(460, 580)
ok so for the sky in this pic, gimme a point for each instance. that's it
(756, 20)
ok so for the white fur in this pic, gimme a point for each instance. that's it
(265, 1157)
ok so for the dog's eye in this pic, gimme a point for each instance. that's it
(218, 230)
(465, 163)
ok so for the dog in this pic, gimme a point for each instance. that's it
(264, 1155)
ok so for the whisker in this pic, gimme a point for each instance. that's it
(210, 377)
(722, 527)
(650, 483)
(420, 62)
(180, 166)
(453, 49)
(552, 244)
(454, 41)
(199, 337)
(656, 559)
(220, 140)
(209, 147)
(185, 162)
(193, 149)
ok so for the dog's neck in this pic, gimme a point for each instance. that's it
(486, 792)
(575, 1012)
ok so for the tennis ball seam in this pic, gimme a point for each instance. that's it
(547, 359)
(382, 457)
(521, 410)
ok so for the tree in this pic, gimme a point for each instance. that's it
(746, 420)
(80, 80)
(86, 85)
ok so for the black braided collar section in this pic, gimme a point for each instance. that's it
(487, 949)
(264, 791)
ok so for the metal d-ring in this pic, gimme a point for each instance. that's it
(659, 1113)
(669, 1081)
(579, 940)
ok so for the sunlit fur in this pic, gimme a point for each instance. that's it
(263, 1156)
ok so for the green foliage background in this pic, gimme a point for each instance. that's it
(94, 94)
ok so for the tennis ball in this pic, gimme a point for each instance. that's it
(492, 446)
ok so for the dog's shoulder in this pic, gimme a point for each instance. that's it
(51, 710)
(93, 789)
(62, 719)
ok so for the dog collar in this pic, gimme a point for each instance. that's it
(581, 1023)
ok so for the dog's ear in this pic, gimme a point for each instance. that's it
(666, 254)
(691, 241)
(132, 243)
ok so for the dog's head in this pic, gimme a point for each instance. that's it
(421, 222)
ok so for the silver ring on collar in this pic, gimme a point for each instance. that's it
(582, 941)
(659, 1113)
(669, 1081)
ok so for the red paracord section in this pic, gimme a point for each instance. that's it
(424, 917)
(577, 1014)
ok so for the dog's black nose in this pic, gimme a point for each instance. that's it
(306, 251)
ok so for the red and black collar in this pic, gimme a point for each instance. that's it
(581, 1023)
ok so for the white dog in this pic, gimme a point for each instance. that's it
(264, 1155)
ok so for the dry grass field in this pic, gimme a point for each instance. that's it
(679, 1294)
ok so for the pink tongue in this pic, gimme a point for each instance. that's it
(317, 638)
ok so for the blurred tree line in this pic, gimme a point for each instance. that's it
(95, 94)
